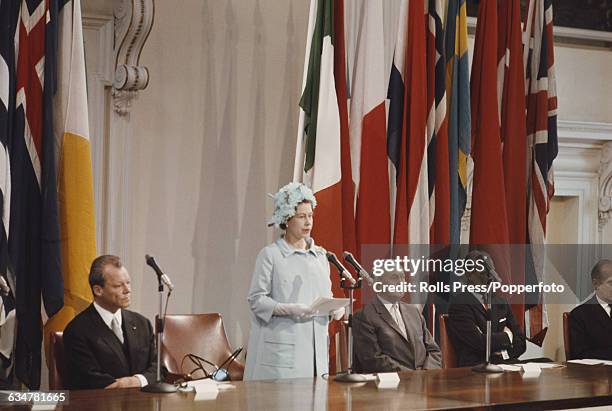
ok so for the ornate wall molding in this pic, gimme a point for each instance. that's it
(568, 35)
(591, 151)
(585, 150)
(605, 185)
(98, 38)
(133, 23)
(585, 131)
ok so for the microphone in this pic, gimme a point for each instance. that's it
(163, 277)
(348, 257)
(331, 257)
(491, 269)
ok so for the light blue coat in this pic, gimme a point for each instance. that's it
(283, 346)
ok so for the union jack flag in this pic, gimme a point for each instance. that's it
(28, 183)
(8, 21)
(541, 93)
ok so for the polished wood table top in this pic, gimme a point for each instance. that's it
(570, 386)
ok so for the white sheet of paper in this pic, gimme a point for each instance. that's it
(509, 367)
(529, 366)
(591, 361)
(324, 305)
(543, 365)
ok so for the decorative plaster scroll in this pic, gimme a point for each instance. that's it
(605, 185)
(122, 100)
(133, 23)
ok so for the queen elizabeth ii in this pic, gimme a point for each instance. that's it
(287, 340)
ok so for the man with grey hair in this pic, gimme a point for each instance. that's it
(391, 335)
(106, 345)
(590, 324)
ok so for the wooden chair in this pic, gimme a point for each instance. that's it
(199, 334)
(340, 337)
(57, 369)
(566, 336)
(449, 357)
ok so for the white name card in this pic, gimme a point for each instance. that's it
(387, 380)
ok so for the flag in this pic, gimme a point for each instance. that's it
(8, 20)
(437, 128)
(34, 239)
(367, 120)
(458, 111)
(395, 121)
(511, 86)
(437, 148)
(538, 56)
(322, 151)
(75, 179)
(411, 224)
(489, 224)
(319, 154)
(348, 188)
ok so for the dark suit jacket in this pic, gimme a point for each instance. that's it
(380, 346)
(94, 355)
(590, 329)
(467, 326)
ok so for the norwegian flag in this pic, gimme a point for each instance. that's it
(437, 127)
(437, 144)
(541, 91)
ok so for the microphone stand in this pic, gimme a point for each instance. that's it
(349, 376)
(159, 386)
(487, 367)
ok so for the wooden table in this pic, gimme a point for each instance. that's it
(571, 386)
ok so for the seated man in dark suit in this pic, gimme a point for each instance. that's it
(107, 346)
(467, 322)
(391, 335)
(590, 324)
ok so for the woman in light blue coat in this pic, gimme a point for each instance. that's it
(286, 339)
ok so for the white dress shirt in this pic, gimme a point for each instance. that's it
(107, 317)
(396, 314)
(604, 305)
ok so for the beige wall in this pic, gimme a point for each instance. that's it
(212, 134)
(583, 84)
(215, 131)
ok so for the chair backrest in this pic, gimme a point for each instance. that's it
(566, 337)
(199, 334)
(57, 369)
(449, 357)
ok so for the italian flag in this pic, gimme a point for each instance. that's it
(322, 154)
(322, 159)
